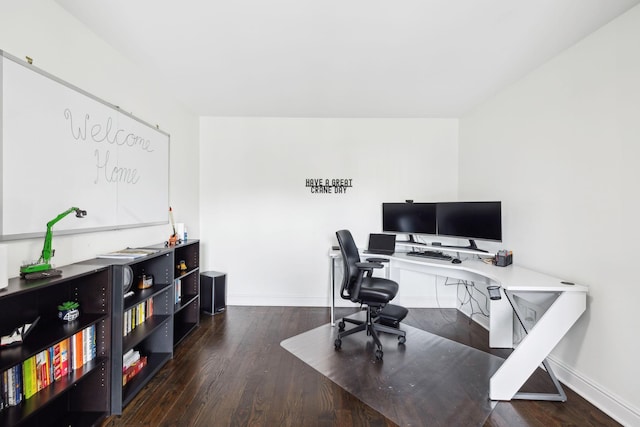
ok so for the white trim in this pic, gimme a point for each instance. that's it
(277, 300)
(614, 406)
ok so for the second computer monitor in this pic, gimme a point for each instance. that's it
(470, 220)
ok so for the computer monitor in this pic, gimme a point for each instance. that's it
(470, 220)
(409, 218)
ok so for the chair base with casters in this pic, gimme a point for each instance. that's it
(378, 320)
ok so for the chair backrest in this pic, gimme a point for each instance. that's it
(352, 277)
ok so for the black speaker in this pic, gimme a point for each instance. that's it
(213, 292)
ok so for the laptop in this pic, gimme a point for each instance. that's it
(381, 244)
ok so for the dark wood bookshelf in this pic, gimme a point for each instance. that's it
(23, 302)
(187, 309)
(93, 392)
(157, 336)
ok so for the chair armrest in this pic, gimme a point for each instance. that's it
(378, 260)
(368, 267)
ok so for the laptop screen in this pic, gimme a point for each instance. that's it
(382, 242)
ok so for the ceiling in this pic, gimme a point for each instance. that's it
(340, 58)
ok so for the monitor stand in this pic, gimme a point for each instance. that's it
(472, 245)
(414, 241)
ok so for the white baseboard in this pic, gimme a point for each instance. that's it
(607, 402)
(301, 301)
(277, 301)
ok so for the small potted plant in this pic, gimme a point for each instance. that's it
(68, 311)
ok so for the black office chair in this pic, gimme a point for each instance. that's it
(374, 293)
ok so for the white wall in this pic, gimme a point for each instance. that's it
(561, 149)
(63, 47)
(265, 228)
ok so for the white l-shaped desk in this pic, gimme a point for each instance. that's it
(567, 303)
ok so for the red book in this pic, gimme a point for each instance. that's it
(47, 368)
(41, 366)
(133, 370)
(64, 356)
(57, 361)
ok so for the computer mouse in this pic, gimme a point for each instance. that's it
(456, 260)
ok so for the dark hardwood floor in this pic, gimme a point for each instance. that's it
(231, 371)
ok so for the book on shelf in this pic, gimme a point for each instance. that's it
(42, 369)
(2, 401)
(137, 315)
(177, 284)
(85, 345)
(77, 350)
(17, 381)
(133, 370)
(8, 387)
(12, 388)
(129, 253)
(60, 359)
(129, 359)
(29, 377)
(89, 344)
(11, 396)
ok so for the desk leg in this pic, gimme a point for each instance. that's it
(333, 290)
(535, 347)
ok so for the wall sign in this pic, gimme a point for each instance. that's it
(328, 186)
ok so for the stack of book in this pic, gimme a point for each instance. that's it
(132, 364)
(128, 253)
(136, 315)
(47, 366)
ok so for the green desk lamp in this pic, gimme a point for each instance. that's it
(42, 268)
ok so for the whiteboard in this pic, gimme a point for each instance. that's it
(62, 147)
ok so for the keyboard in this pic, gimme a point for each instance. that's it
(431, 254)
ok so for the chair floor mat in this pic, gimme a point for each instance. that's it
(429, 381)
